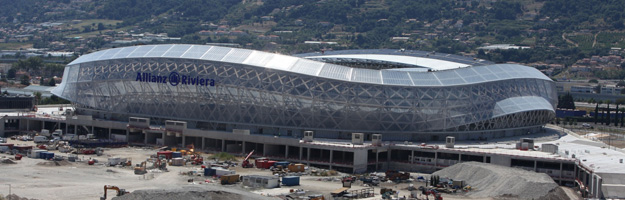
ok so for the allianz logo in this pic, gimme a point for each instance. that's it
(174, 79)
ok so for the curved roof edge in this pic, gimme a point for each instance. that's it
(457, 76)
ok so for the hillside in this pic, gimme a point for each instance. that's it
(559, 31)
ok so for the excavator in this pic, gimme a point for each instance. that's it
(246, 163)
(120, 192)
(140, 170)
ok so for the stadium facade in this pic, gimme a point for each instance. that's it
(403, 95)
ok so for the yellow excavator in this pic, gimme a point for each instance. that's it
(120, 192)
(140, 170)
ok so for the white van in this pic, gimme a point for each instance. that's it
(40, 139)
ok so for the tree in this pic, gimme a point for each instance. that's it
(37, 97)
(593, 81)
(11, 73)
(566, 101)
(25, 80)
(41, 81)
(52, 82)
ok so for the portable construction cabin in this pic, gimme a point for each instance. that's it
(256, 181)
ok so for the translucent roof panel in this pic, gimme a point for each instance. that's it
(196, 51)
(216, 53)
(158, 51)
(400, 76)
(110, 53)
(485, 73)
(237, 55)
(336, 72)
(424, 79)
(367, 76)
(124, 52)
(141, 51)
(307, 67)
(449, 77)
(521, 104)
(258, 58)
(396, 78)
(281, 62)
(176, 51)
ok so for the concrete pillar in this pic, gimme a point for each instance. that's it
(110, 132)
(183, 141)
(435, 159)
(459, 157)
(535, 165)
(243, 147)
(27, 125)
(561, 167)
(92, 130)
(300, 152)
(286, 153)
(43, 126)
(308, 157)
(75, 129)
(377, 159)
(145, 138)
(223, 146)
(412, 157)
(203, 143)
(265, 150)
(484, 159)
(127, 135)
(331, 155)
(163, 134)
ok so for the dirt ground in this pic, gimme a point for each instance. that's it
(40, 179)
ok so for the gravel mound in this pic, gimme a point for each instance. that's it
(7, 161)
(55, 163)
(488, 180)
(192, 193)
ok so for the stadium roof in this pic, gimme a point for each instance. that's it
(480, 72)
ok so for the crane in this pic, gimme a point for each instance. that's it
(246, 163)
(120, 192)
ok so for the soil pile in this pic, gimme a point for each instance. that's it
(488, 180)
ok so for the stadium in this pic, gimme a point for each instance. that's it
(401, 94)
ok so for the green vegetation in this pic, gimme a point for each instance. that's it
(223, 156)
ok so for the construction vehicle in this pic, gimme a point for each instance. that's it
(429, 191)
(387, 193)
(140, 170)
(246, 162)
(120, 192)
(397, 175)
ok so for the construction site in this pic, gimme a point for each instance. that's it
(46, 155)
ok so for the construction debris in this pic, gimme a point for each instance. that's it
(191, 193)
(488, 180)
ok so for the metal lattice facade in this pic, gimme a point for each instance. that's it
(465, 100)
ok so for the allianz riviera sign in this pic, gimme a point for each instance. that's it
(175, 79)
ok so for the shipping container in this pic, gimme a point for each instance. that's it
(290, 180)
(210, 171)
(166, 154)
(284, 164)
(297, 167)
(229, 179)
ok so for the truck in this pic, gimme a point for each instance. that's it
(45, 132)
(40, 139)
